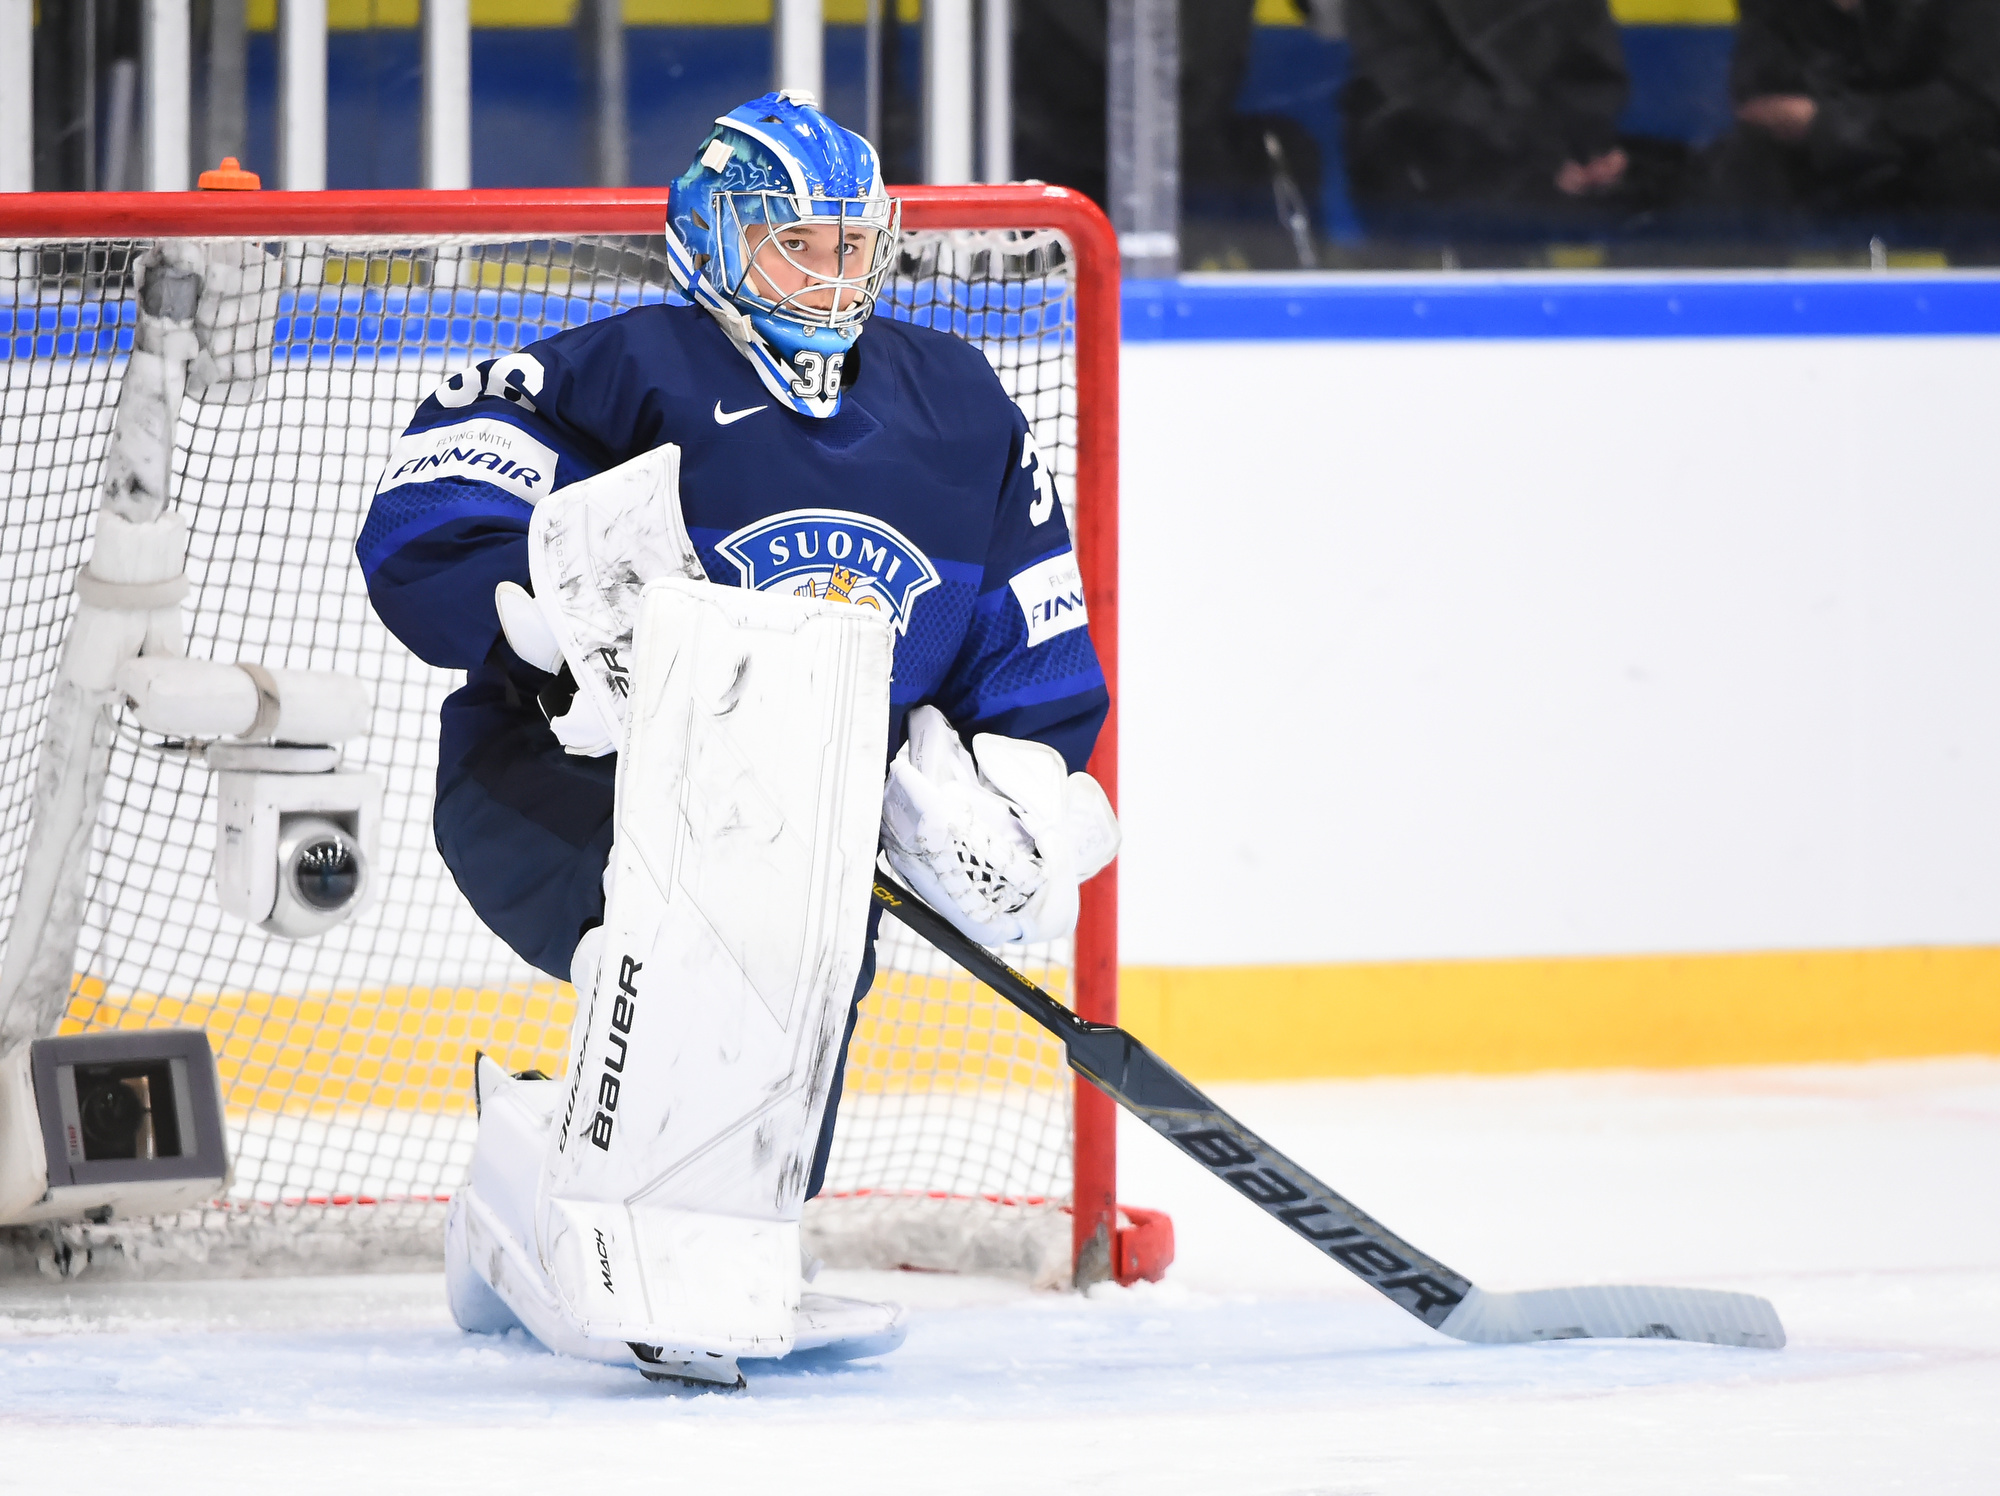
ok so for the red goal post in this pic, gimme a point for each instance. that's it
(514, 214)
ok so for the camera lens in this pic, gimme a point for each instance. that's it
(323, 876)
(110, 1114)
(326, 873)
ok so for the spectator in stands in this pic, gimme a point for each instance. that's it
(1487, 104)
(1851, 106)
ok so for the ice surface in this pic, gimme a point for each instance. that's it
(1864, 1201)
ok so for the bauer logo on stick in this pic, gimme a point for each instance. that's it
(850, 558)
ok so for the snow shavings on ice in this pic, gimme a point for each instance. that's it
(1864, 1201)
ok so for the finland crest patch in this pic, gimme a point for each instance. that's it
(832, 553)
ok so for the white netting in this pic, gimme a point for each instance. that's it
(346, 1061)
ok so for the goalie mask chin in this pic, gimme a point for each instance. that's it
(782, 231)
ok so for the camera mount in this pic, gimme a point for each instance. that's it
(94, 1126)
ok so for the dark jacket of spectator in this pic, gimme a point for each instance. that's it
(1905, 97)
(1479, 100)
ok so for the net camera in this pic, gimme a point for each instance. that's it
(293, 851)
(100, 1125)
(295, 836)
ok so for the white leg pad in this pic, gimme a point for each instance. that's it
(489, 1233)
(687, 1279)
(495, 1281)
(749, 789)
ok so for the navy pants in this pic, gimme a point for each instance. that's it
(526, 830)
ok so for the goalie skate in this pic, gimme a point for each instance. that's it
(832, 1328)
(494, 1280)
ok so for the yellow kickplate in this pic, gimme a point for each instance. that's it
(410, 1049)
(1580, 1013)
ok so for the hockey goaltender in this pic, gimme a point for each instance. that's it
(707, 567)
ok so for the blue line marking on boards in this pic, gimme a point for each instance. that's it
(1463, 306)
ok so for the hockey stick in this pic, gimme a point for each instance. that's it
(1148, 1087)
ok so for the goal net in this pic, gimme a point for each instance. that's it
(346, 1060)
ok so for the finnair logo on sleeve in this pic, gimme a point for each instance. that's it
(489, 450)
(1051, 596)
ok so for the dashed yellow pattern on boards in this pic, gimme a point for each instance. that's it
(401, 1048)
(411, 1049)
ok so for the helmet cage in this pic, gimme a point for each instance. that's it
(853, 296)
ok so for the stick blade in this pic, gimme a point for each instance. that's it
(1617, 1312)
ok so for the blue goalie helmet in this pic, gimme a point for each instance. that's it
(781, 229)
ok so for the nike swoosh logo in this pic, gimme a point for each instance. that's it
(728, 417)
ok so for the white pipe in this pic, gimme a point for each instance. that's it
(605, 23)
(128, 603)
(948, 101)
(798, 49)
(302, 95)
(447, 93)
(121, 109)
(1142, 109)
(996, 91)
(871, 73)
(165, 44)
(17, 95)
(228, 61)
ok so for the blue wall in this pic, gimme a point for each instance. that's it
(325, 324)
(1242, 309)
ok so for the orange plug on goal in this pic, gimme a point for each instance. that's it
(229, 177)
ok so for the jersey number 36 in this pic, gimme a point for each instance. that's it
(819, 374)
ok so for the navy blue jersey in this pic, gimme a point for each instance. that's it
(923, 497)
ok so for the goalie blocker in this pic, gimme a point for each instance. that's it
(646, 1210)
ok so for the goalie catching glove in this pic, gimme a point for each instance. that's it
(998, 839)
(591, 547)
